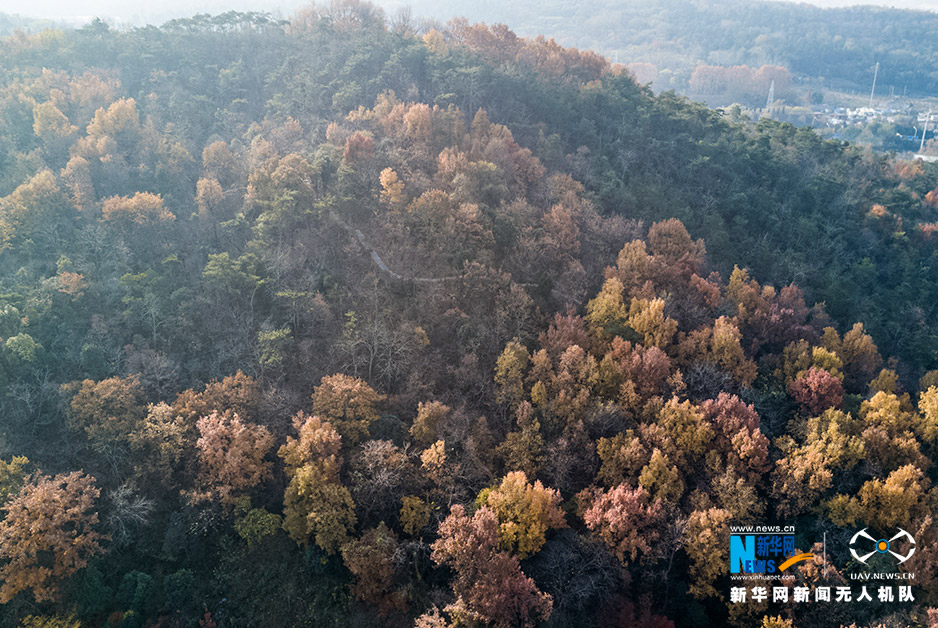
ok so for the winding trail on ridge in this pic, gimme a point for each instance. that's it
(380, 262)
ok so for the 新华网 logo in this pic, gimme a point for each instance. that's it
(764, 553)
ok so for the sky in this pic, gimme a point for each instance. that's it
(158, 11)
(922, 5)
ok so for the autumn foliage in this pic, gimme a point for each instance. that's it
(350, 325)
(231, 457)
(626, 520)
(47, 534)
(817, 390)
(316, 505)
(489, 583)
(525, 513)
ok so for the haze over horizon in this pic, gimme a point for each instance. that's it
(132, 12)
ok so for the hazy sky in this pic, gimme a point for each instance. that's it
(923, 5)
(157, 11)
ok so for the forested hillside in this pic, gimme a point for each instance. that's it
(333, 323)
(837, 47)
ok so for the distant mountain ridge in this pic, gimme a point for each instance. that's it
(836, 46)
(10, 23)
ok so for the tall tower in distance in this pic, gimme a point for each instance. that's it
(924, 131)
(873, 91)
(771, 98)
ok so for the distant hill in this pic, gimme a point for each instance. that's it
(10, 23)
(837, 45)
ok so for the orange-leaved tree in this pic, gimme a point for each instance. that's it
(47, 534)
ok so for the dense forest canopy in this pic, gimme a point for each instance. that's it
(337, 321)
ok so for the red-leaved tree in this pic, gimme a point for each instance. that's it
(489, 583)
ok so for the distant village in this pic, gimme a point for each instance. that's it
(912, 131)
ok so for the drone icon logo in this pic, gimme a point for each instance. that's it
(882, 546)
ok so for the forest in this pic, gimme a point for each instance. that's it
(668, 39)
(346, 320)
